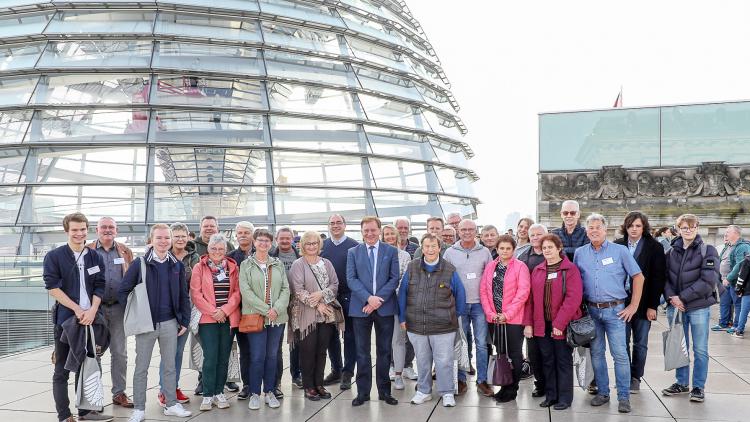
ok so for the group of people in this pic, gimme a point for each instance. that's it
(500, 290)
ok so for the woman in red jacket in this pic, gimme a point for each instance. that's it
(555, 300)
(503, 292)
(215, 290)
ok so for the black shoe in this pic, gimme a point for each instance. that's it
(389, 399)
(199, 388)
(548, 403)
(245, 393)
(593, 389)
(538, 392)
(675, 389)
(359, 401)
(697, 395)
(332, 378)
(297, 382)
(233, 387)
(278, 393)
(323, 393)
(312, 394)
(506, 398)
(346, 381)
(561, 406)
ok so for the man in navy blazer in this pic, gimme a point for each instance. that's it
(372, 276)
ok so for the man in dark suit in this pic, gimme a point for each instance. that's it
(372, 276)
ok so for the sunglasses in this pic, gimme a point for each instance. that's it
(569, 212)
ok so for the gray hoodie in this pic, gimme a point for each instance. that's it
(469, 265)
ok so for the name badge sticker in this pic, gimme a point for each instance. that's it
(119, 261)
(471, 276)
(551, 276)
(607, 261)
(93, 270)
(221, 276)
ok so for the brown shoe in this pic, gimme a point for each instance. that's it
(462, 387)
(485, 389)
(122, 400)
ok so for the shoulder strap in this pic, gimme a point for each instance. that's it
(563, 277)
(143, 269)
(320, 287)
(704, 248)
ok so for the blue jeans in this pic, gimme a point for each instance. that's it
(181, 340)
(264, 347)
(476, 319)
(696, 324)
(608, 324)
(740, 317)
(727, 301)
(639, 329)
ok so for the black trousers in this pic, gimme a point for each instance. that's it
(312, 354)
(536, 362)
(514, 349)
(60, 378)
(557, 358)
(383, 336)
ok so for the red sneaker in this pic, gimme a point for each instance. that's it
(181, 398)
(162, 399)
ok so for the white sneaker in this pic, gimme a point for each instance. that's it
(420, 398)
(137, 416)
(272, 401)
(221, 401)
(391, 373)
(398, 383)
(207, 403)
(410, 373)
(177, 410)
(254, 402)
(449, 400)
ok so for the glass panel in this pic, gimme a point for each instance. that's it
(87, 125)
(372, 6)
(200, 91)
(49, 204)
(10, 202)
(312, 99)
(390, 174)
(300, 205)
(101, 22)
(296, 168)
(399, 143)
(377, 54)
(436, 99)
(291, 132)
(443, 125)
(19, 25)
(219, 27)
(227, 203)
(590, 140)
(208, 128)
(11, 164)
(20, 56)
(244, 5)
(92, 89)
(209, 165)
(307, 68)
(387, 83)
(369, 27)
(456, 182)
(13, 125)
(306, 39)
(9, 239)
(414, 206)
(428, 72)
(213, 58)
(463, 206)
(16, 90)
(449, 153)
(712, 132)
(391, 111)
(97, 54)
(303, 12)
(99, 165)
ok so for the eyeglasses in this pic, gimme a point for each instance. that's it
(312, 243)
(336, 223)
(263, 240)
(688, 229)
(566, 213)
(179, 237)
(108, 227)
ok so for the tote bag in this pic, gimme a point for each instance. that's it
(89, 389)
(502, 367)
(137, 310)
(675, 349)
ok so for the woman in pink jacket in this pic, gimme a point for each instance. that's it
(214, 288)
(548, 313)
(503, 291)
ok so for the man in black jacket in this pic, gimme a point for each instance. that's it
(649, 254)
(74, 276)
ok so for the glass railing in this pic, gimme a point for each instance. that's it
(25, 318)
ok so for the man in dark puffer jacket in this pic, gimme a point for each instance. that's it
(692, 278)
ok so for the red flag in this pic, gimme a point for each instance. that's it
(618, 100)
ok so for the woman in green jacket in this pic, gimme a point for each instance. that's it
(265, 291)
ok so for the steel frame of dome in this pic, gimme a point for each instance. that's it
(278, 112)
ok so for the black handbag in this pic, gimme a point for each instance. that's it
(581, 332)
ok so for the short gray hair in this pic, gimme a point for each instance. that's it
(538, 226)
(402, 219)
(596, 217)
(737, 229)
(179, 227)
(571, 202)
(284, 229)
(245, 225)
(217, 238)
(488, 227)
(452, 215)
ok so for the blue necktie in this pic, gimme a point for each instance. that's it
(371, 255)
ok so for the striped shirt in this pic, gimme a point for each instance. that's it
(548, 290)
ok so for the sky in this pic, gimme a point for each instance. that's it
(508, 61)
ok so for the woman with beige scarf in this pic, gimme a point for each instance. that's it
(314, 313)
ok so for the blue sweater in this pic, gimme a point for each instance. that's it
(61, 272)
(337, 254)
(457, 287)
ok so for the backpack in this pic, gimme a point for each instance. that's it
(718, 287)
(743, 276)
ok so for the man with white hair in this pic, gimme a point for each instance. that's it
(734, 251)
(453, 219)
(571, 233)
(604, 266)
(243, 231)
